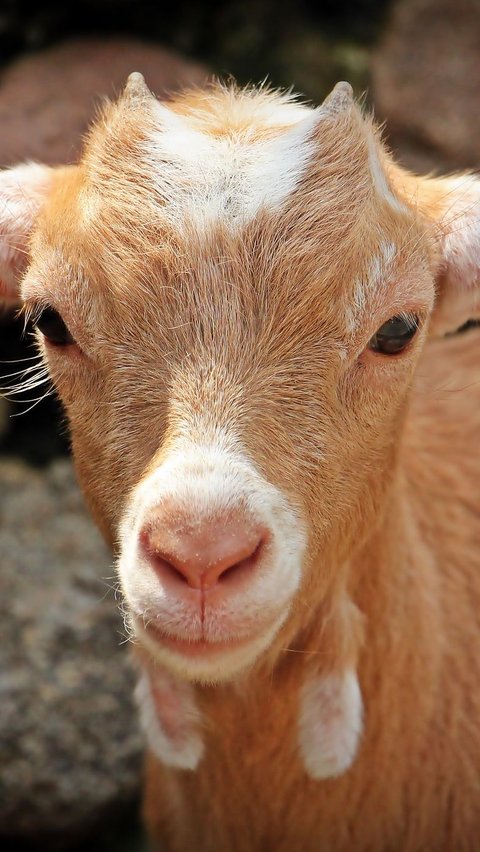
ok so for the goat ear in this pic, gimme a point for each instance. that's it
(23, 191)
(454, 204)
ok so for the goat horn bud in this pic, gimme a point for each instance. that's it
(339, 99)
(135, 88)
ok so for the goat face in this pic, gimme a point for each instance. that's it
(236, 300)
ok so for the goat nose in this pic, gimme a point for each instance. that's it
(202, 553)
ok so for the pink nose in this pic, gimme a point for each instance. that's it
(202, 552)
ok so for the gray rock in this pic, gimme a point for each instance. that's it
(69, 743)
(426, 82)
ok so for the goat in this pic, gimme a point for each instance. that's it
(245, 306)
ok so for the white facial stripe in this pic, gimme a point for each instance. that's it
(204, 179)
(380, 263)
(169, 719)
(330, 724)
(376, 275)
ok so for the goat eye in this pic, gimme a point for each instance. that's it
(394, 335)
(53, 328)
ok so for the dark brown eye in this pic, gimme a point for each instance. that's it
(53, 328)
(394, 335)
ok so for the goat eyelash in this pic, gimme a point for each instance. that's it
(411, 319)
(30, 312)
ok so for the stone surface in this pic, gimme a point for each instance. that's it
(426, 82)
(69, 742)
(48, 99)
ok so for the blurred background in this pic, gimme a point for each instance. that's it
(70, 750)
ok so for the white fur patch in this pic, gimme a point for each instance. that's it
(377, 273)
(380, 263)
(330, 724)
(170, 719)
(203, 178)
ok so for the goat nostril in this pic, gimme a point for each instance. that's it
(161, 562)
(164, 566)
(244, 564)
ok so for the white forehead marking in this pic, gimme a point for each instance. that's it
(205, 179)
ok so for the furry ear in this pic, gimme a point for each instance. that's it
(23, 191)
(452, 204)
(458, 218)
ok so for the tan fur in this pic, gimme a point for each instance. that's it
(267, 327)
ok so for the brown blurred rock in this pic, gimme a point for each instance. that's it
(426, 82)
(70, 749)
(48, 99)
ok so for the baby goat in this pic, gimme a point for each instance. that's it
(244, 305)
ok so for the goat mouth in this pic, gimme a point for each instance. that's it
(205, 652)
(188, 647)
(202, 660)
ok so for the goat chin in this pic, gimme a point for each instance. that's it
(206, 662)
